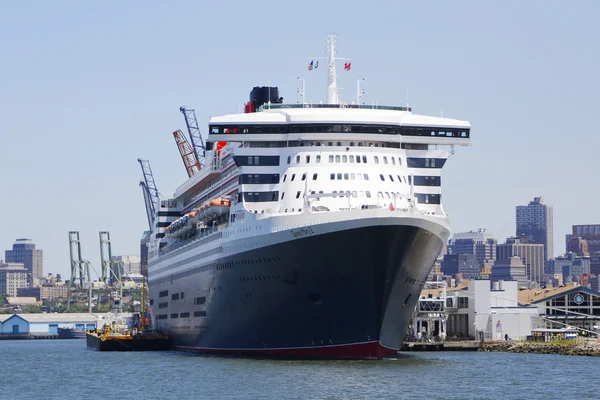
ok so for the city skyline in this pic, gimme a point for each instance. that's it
(103, 94)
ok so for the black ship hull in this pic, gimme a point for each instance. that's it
(344, 294)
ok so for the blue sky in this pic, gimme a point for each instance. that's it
(86, 89)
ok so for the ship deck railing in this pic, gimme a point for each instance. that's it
(277, 106)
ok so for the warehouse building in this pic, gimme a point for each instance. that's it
(30, 324)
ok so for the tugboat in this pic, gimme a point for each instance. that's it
(133, 336)
(117, 337)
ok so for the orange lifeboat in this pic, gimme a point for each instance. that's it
(213, 208)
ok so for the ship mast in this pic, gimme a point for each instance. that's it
(332, 94)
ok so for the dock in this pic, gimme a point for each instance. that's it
(471, 345)
(39, 336)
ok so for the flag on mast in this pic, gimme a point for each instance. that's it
(310, 66)
(347, 66)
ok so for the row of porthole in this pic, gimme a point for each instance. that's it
(264, 260)
(260, 278)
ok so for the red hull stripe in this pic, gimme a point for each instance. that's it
(369, 350)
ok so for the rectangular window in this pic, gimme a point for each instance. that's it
(385, 161)
(315, 177)
(344, 159)
(304, 176)
(364, 158)
(331, 158)
(200, 300)
(307, 159)
(391, 178)
(426, 162)
(163, 305)
(184, 315)
(346, 177)
(332, 176)
(318, 159)
(339, 176)
(382, 177)
(366, 176)
(242, 161)
(337, 159)
(151, 302)
(199, 313)
(175, 296)
(164, 293)
(428, 181)
(174, 315)
(376, 160)
(162, 316)
(258, 197)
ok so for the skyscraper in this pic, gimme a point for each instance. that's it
(535, 221)
(24, 251)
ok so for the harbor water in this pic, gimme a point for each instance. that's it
(65, 369)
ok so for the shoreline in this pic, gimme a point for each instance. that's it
(587, 348)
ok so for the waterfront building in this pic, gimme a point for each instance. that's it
(569, 306)
(490, 311)
(464, 264)
(480, 243)
(511, 269)
(30, 324)
(535, 220)
(12, 277)
(24, 251)
(532, 255)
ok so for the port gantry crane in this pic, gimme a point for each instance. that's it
(191, 123)
(188, 154)
(150, 191)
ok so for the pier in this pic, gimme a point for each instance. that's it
(37, 336)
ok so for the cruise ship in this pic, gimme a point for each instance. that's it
(308, 231)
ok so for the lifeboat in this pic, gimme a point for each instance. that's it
(212, 209)
(206, 211)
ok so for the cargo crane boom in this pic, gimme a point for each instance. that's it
(188, 155)
(148, 203)
(151, 189)
(194, 131)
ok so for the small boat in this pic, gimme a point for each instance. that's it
(70, 333)
(116, 338)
